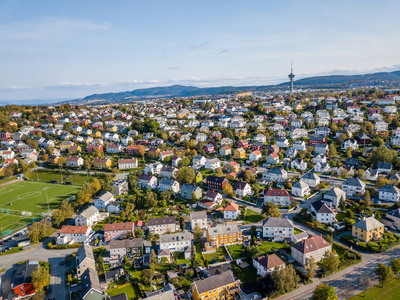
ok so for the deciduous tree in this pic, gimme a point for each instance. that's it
(384, 273)
(324, 292)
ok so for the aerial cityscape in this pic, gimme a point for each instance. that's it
(182, 150)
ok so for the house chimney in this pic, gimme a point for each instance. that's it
(364, 218)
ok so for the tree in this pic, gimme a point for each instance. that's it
(142, 151)
(45, 157)
(218, 172)
(271, 209)
(151, 199)
(311, 267)
(383, 154)
(285, 279)
(139, 232)
(365, 282)
(228, 190)
(330, 261)
(38, 230)
(153, 258)
(197, 233)
(367, 199)
(248, 176)
(147, 275)
(384, 273)
(395, 263)
(40, 277)
(324, 292)
(349, 152)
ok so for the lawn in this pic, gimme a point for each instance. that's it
(391, 291)
(236, 251)
(246, 275)
(217, 256)
(29, 196)
(269, 247)
(131, 290)
(297, 231)
(75, 178)
(253, 217)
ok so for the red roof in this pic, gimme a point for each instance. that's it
(274, 155)
(311, 244)
(118, 226)
(231, 206)
(74, 229)
(205, 202)
(277, 192)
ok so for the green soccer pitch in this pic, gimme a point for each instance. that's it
(24, 202)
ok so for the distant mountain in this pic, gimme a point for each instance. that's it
(329, 81)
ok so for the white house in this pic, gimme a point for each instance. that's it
(255, 155)
(334, 196)
(198, 218)
(231, 211)
(212, 164)
(103, 201)
(275, 174)
(88, 217)
(176, 241)
(278, 196)
(351, 186)
(319, 158)
(242, 189)
(350, 143)
(322, 212)
(311, 179)
(266, 264)
(298, 164)
(389, 193)
(74, 162)
(278, 229)
(260, 138)
(300, 189)
(147, 181)
(322, 167)
(314, 246)
(198, 162)
(73, 235)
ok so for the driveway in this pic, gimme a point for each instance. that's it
(58, 287)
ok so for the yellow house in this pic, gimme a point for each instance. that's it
(368, 229)
(219, 286)
(222, 235)
(154, 152)
(232, 167)
(74, 149)
(65, 145)
(241, 131)
(239, 153)
(97, 134)
(112, 128)
(102, 163)
(381, 133)
(2, 170)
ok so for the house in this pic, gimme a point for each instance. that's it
(165, 154)
(282, 143)
(21, 282)
(275, 174)
(256, 146)
(198, 162)
(84, 259)
(162, 225)
(273, 149)
(222, 235)
(198, 218)
(188, 191)
(74, 162)
(384, 167)
(131, 247)
(260, 138)
(321, 212)
(133, 149)
(91, 288)
(215, 182)
(300, 189)
(118, 230)
(322, 168)
(392, 219)
(315, 246)
(314, 140)
(243, 144)
(212, 164)
(364, 139)
(120, 187)
(103, 201)
(266, 264)
(102, 163)
(175, 161)
(272, 159)
(88, 217)
(168, 172)
(168, 184)
(350, 143)
(114, 148)
(368, 229)
(239, 153)
(280, 197)
(321, 148)
(231, 211)
(334, 196)
(73, 235)
(319, 158)
(278, 229)
(147, 181)
(154, 168)
(299, 145)
(352, 186)
(180, 241)
(214, 196)
(92, 148)
(129, 163)
(323, 131)
(231, 167)
(371, 174)
(255, 155)
(225, 151)
(219, 286)
(389, 193)
(298, 164)
(311, 179)
(160, 295)
(209, 148)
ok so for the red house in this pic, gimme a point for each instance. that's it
(209, 148)
(5, 135)
(243, 144)
(91, 148)
(22, 281)
(257, 146)
(142, 142)
(132, 149)
(374, 110)
(364, 139)
(215, 182)
(316, 140)
(284, 123)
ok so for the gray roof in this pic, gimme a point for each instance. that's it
(310, 175)
(353, 182)
(126, 243)
(321, 207)
(300, 184)
(175, 237)
(195, 215)
(395, 213)
(278, 222)
(335, 192)
(384, 165)
(214, 282)
(161, 221)
(189, 188)
(368, 224)
(167, 295)
(166, 181)
(88, 212)
(85, 251)
(389, 188)
(90, 281)
(222, 229)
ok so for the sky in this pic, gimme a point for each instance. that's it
(51, 50)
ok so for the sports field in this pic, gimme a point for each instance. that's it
(24, 202)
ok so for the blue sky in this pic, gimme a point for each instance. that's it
(70, 49)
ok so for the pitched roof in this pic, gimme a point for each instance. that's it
(88, 212)
(231, 206)
(321, 207)
(74, 229)
(23, 272)
(277, 192)
(269, 261)
(368, 224)
(311, 244)
(214, 282)
(85, 251)
(278, 222)
(90, 281)
(163, 220)
(175, 237)
(119, 226)
(195, 215)
(222, 229)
